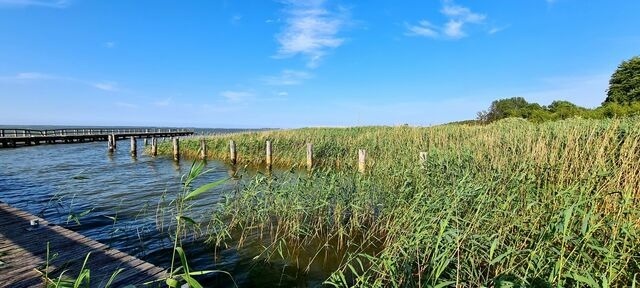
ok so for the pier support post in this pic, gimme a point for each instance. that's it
(362, 156)
(146, 141)
(232, 152)
(309, 156)
(203, 149)
(269, 155)
(134, 147)
(154, 146)
(176, 149)
(110, 145)
(114, 140)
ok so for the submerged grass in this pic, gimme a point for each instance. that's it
(511, 203)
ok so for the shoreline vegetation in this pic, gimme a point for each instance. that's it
(509, 203)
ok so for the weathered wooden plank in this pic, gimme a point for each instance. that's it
(24, 250)
(362, 156)
(269, 155)
(176, 149)
(309, 156)
(232, 152)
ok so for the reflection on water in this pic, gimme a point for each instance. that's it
(114, 198)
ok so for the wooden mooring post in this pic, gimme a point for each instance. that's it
(362, 156)
(423, 158)
(176, 149)
(154, 146)
(269, 154)
(134, 147)
(309, 156)
(110, 145)
(232, 152)
(146, 141)
(203, 149)
(115, 141)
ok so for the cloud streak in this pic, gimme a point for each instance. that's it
(106, 86)
(28, 77)
(126, 105)
(287, 78)
(310, 30)
(457, 19)
(35, 3)
(163, 103)
(236, 96)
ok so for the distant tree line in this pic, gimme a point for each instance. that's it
(623, 99)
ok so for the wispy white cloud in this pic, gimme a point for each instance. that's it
(27, 77)
(30, 76)
(106, 86)
(423, 28)
(495, 30)
(235, 19)
(163, 103)
(236, 96)
(126, 105)
(110, 44)
(457, 19)
(283, 93)
(287, 77)
(35, 3)
(311, 29)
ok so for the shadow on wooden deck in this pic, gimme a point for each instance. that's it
(23, 253)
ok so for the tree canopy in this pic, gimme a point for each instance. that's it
(624, 86)
(623, 99)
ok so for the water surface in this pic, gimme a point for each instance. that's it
(115, 200)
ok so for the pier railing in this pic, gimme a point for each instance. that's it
(6, 133)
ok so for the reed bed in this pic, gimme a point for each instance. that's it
(510, 203)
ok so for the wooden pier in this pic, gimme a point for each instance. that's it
(23, 254)
(11, 138)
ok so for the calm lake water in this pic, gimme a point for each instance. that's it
(55, 181)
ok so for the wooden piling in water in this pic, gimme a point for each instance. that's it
(146, 141)
(110, 145)
(232, 152)
(309, 156)
(154, 146)
(269, 154)
(176, 149)
(362, 155)
(114, 139)
(134, 147)
(203, 149)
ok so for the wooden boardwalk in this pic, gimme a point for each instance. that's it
(23, 254)
(12, 138)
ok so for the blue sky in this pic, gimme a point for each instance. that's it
(292, 63)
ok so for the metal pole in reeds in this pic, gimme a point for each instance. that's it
(362, 155)
(309, 156)
(269, 154)
(232, 152)
(176, 149)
